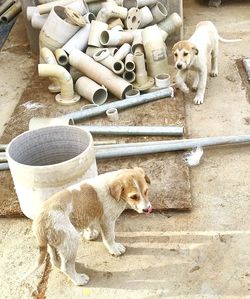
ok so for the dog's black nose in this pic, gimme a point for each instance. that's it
(179, 66)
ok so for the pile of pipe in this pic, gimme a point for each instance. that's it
(89, 49)
(9, 9)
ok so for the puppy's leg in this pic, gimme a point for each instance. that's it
(90, 234)
(67, 251)
(108, 237)
(196, 81)
(180, 81)
(199, 98)
(214, 60)
(54, 258)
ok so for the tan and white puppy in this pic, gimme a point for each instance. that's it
(192, 54)
(99, 200)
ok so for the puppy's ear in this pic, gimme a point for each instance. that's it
(175, 46)
(115, 189)
(147, 179)
(196, 51)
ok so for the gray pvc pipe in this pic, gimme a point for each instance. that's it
(4, 166)
(121, 105)
(3, 147)
(165, 146)
(135, 130)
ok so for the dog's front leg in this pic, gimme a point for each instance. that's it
(199, 98)
(180, 81)
(108, 237)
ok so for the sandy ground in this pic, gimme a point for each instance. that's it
(200, 254)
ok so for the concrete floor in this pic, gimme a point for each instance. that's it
(200, 254)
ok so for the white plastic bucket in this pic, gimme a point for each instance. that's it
(47, 160)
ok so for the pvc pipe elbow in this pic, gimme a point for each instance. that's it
(112, 11)
(67, 95)
(30, 11)
(37, 20)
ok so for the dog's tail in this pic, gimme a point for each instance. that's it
(39, 262)
(224, 40)
(39, 231)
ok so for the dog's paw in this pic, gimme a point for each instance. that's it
(198, 100)
(90, 234)
(81, 279)
(214, 73)
(117, 249)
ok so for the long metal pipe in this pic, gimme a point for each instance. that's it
(136, 130)
(165, 146)
(121, 105)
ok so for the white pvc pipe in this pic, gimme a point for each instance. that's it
(123, 51)
(171, 23)
(159, 12)
(129, 76)
(141, 3)
(104, 57)
(115, 37)
(47, 160)
(155, 50)
(56, 31)
(129, 63)
(67, 95)
(91, 91)
(146, 17)
(46, 7)
(61, 57)
(96, 29)
(99, 73)
(78, 41)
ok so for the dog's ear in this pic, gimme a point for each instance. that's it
(141, 170)
(147, 179)
(116, 188)
(175, 47)
(196, 51)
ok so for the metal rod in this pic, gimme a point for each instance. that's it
(136, 130)
(121, 105)
(165, 146)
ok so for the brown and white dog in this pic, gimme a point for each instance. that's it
(79, 208)
(192, 54)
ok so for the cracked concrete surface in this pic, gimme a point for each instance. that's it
(199, 254)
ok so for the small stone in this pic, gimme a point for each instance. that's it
(195, 268)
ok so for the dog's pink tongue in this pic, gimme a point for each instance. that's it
(150, 210)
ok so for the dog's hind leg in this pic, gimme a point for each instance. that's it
(90, 233)
(214, 60)
(54, 258)
(67, 251)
